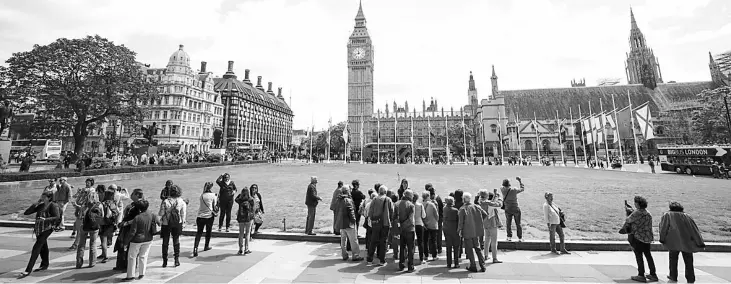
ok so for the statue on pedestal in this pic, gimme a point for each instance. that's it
(149, 132)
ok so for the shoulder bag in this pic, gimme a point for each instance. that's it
(561, 216)
(377, 222)
(504, 197)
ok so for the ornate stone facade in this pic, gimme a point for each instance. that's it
(642, 66)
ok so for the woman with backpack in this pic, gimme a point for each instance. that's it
(109, 226)
(172, 218)
(244, 216)
(47, 217)
(207, 212)
(258, 214)
(93, 217)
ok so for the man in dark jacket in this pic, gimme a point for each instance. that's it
(451, 219)
(404, 217)
(379, 212)
(226, 195)
(345, 221)
(358, 198)
(311, 200)
(440, 208)
(130, 212)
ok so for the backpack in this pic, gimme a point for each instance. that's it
(93, 218)
(174, 216)
(111, 213)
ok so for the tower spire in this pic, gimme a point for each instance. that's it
(360, 15)
(493, 73)
(632, 18)
(472, 83)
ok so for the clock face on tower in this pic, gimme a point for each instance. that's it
(358, 53)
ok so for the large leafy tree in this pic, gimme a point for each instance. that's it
(456, 138)
(78, 83)
(710, 124)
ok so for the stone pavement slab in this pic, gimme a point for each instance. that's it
(274, 261)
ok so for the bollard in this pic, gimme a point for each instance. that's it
(284, 222)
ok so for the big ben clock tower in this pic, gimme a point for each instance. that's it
(360, 79)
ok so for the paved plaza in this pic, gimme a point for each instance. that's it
(301, 262)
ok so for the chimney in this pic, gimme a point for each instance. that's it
(279, 93)
(203, 67)
(230, 73)
(246, 77)
(269, 89)
(180, 47)
(258, 83)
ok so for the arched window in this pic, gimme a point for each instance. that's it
(528, 145)
(660, 130)
(493, 128)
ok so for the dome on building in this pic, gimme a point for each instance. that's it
(180, 58)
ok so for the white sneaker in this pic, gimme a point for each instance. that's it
(520, 240)
(510, 239)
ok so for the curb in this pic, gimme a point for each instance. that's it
(113, 177)
(534, 245)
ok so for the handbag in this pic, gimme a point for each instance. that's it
(561, 216)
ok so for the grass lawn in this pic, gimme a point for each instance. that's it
(592, 199)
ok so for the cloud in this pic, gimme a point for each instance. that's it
(423, 48)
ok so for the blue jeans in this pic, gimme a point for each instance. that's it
(310, 224)
(82, 236)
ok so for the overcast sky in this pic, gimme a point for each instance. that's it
(423, 48)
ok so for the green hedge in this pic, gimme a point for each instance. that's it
(42, 175)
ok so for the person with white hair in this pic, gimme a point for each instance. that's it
(379, 213)
(491, 202)
(311, 200)
(470, 229)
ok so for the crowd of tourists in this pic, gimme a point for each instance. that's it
(403, 222)
(101, 214)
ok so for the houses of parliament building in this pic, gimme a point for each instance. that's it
(506, 117)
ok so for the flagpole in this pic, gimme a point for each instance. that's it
(602, 120)
(634, 135)
(413, 160)
(520, 145)
(538, 139)
(594, 142)
(329, 129)
(573, 135)
(345, 137)
(395, 140)
(619, 138)
(583, 141)
(362, 139)
(446, 127)
(378, 138)
(464, 136)
(560, 143)
(482, 133)
(500, 136)
(428, 128)
(312, 128)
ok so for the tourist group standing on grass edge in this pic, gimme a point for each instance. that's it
(404, 221)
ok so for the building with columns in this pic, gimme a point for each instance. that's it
(188, 110)
(253, 114)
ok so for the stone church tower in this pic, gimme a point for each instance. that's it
(641, 66)
(360, 79)
(472, 93)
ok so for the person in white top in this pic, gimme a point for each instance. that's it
(552, 218)
(419, 215)
(172, 217)
(206, 215)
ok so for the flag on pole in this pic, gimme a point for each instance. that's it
(644, 121)
(613, 127)
(329, 129)
(586, 127)
(345, 134)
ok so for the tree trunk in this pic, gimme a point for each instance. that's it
(79, 138)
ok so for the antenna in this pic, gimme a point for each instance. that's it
(290, 98)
